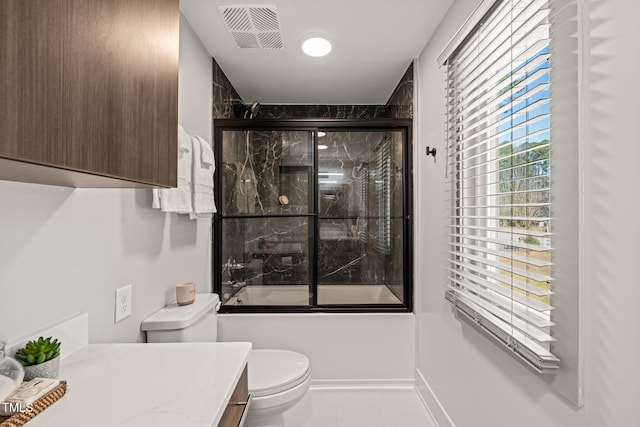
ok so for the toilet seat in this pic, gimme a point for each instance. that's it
(275, 371)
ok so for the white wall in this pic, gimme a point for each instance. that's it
(476, 382)
(65, 250)
(195, 88)
(342, 348)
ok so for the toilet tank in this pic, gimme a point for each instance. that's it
(195, 322)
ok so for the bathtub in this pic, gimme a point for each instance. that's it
(299, 295)
(344, 349)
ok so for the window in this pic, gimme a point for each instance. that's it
(499, 157)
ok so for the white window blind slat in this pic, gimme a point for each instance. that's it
(544, 193)
(483, 72)
(500, 10)
(495, 172)
(527, 114)
(487, 288)
(524, 259)
(468, 264)
(481, 79)
(541, 135)
(499, 147)
(488, 104)
(495, 39)
(539, 358)
(534, 317)
(527, 274)
(542, 355)
(489, 309)
(513, 231)
(501, 218)
(509, 183)
(508, 243)
(493, 134)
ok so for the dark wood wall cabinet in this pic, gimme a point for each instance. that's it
(89, 92)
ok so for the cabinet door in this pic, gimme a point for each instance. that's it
(235, 413)
(90, 86)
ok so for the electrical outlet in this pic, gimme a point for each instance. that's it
(124, 302)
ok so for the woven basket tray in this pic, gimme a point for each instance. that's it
(39, 405)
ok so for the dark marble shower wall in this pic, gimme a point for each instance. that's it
(399, 105)
(257, 167)
(347, 248)
(225, 97)
(267, 243)
(362, 112)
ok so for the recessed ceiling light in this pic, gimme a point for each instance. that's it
(321, 134)
(322, 147)
(316, 46)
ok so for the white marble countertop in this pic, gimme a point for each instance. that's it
(181, 384)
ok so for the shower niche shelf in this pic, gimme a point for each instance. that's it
(294, 183)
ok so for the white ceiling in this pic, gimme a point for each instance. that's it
(373, 41)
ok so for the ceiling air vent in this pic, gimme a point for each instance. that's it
(253, 27)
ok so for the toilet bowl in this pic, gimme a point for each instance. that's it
(278, 379)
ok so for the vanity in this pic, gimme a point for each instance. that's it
(164, 384)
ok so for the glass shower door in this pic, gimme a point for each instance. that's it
(266, 224)
(360, 218)
(312, 216)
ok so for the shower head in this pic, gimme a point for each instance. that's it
(252, 110)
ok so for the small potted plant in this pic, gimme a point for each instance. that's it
(40, 358)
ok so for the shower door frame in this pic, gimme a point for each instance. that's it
(313, 126)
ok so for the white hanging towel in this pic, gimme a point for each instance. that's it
(178, 199)
(203, 169)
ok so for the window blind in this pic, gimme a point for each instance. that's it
(498, 167)
(363, 193)
(383, 195)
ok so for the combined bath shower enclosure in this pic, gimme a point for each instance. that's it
(313, 215)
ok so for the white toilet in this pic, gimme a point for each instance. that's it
(278, 379)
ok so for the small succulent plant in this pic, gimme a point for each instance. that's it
(38, 351)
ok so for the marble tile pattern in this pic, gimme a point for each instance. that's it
(227, 104)
(349, 211)
(400, 103)
(258, 167)
(265, 251)
(362, 112)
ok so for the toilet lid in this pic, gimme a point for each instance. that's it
(273, 371)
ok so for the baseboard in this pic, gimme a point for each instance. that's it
(363, 384)
(432, 403)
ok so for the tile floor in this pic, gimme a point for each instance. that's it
(381, 407)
